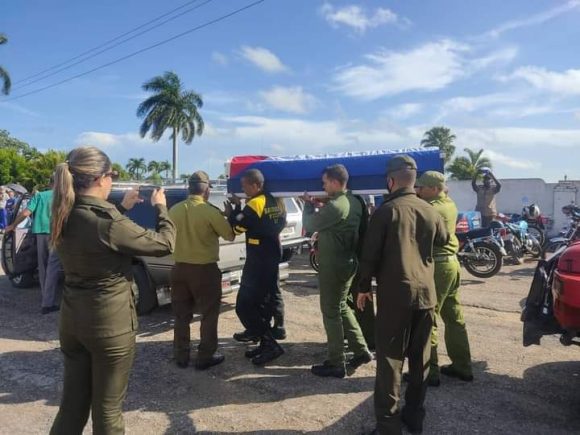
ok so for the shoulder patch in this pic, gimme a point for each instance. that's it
(258, 203)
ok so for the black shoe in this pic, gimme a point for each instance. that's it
(215, 359)
(326, 370)
(246, 337)
(182, 364)
(452, 373)
(412, 427)
(278, 332)
(358, 360)
(251, 353)
(46, 310)
(269, 352)
(432, 381)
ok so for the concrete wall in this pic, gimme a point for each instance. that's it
(516, 193)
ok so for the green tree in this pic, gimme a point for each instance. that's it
(153, 167)
(123, 174)
(465, 168)
(7, 141)
(136, 167)
(165, 166)
(442, 138)
(6, 83)
(170, 108)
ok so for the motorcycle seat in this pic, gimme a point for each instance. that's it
(474, 234)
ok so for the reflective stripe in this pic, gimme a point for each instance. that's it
(238, 229)
(445, 258)
(253, 241)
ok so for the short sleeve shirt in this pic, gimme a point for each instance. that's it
(39, 205)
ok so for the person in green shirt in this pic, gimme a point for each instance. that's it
(196, 280)
(431, 187)
(337, 223)
(49, 267)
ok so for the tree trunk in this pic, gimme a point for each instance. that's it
(174, 155)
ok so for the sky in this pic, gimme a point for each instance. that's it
(288, 77)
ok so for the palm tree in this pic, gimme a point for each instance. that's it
(165, 166)
(4, 77)
(136, 167)
(153, 167)
(465, 168)
(442, 138)
(170, 107)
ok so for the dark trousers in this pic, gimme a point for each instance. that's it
(3, 218)
(486, 221)
(49, 271)
(96, 374)
(195, 287)
(259, 295)
(277, 305)
(401, 332)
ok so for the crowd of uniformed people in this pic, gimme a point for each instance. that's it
(407, 246)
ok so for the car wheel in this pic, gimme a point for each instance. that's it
(287, 255)
(143, 290)
(23, 280)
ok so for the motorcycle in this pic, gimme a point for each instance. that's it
(517, 238)
(567, 235)
(313, 256)
(481, 252)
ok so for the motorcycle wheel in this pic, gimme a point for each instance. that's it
(538, 233)
(536, 250)
(489, 265)
(314, 261)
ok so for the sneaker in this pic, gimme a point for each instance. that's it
(453, 373)
(215, 359)
(412, 426)
(278, 332)
(251, 353)
(326, 370)
(246, 337)
(356, 361)
(269, 353)
(432, 381)
(46, 310)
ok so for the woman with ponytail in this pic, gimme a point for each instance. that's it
(96, 244)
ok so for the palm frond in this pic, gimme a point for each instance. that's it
(6, 82)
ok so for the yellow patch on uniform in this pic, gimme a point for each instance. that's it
(253, 241)
(238, 229)
(257, 204)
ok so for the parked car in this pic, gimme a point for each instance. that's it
(553, 303)
(151, 274)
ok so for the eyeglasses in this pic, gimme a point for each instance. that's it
(113, 174)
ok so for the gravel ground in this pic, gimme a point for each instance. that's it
(517, 390)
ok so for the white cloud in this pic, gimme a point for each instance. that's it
(522, 138)
(289, 99)
(577, 115)
(535, 19)
(111, 140)
(263, 59)
(404, 111)
(219, 58)
(356, 17)
(567, 82)
(511, 162)
(472, 104)
(429, 67)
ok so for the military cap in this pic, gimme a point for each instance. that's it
(431, 179)
(200, 177)
(401, 162)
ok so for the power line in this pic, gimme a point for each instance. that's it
(113, 46)
(104, 44)
(135, 53)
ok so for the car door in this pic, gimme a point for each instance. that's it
(19, 247)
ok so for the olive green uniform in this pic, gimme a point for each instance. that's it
(98, 321)
(337, 224)
(447, 281)
(398, 251)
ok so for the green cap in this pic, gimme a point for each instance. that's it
(401, 162)
(431, 179)
(200, 177)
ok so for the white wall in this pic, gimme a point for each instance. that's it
(515, 193)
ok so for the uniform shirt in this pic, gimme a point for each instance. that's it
(448, 211)
(97, 249)
(398, 251)
(39, 205)
(199, 227)
(486, 199)
(337, 223)
(262, 220)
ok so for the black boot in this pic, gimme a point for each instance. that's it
(326, 370)
(270, 350)
(246, 337)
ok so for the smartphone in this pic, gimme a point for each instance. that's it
(145, 192)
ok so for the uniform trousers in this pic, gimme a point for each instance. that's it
(96, 374)
(195, 287)
(401, 332)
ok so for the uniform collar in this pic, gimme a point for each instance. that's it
(196, 198)
(439, 197)
(398, 193)
(337, 194)
(93, 200)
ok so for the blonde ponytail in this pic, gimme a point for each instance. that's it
(62, 201)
